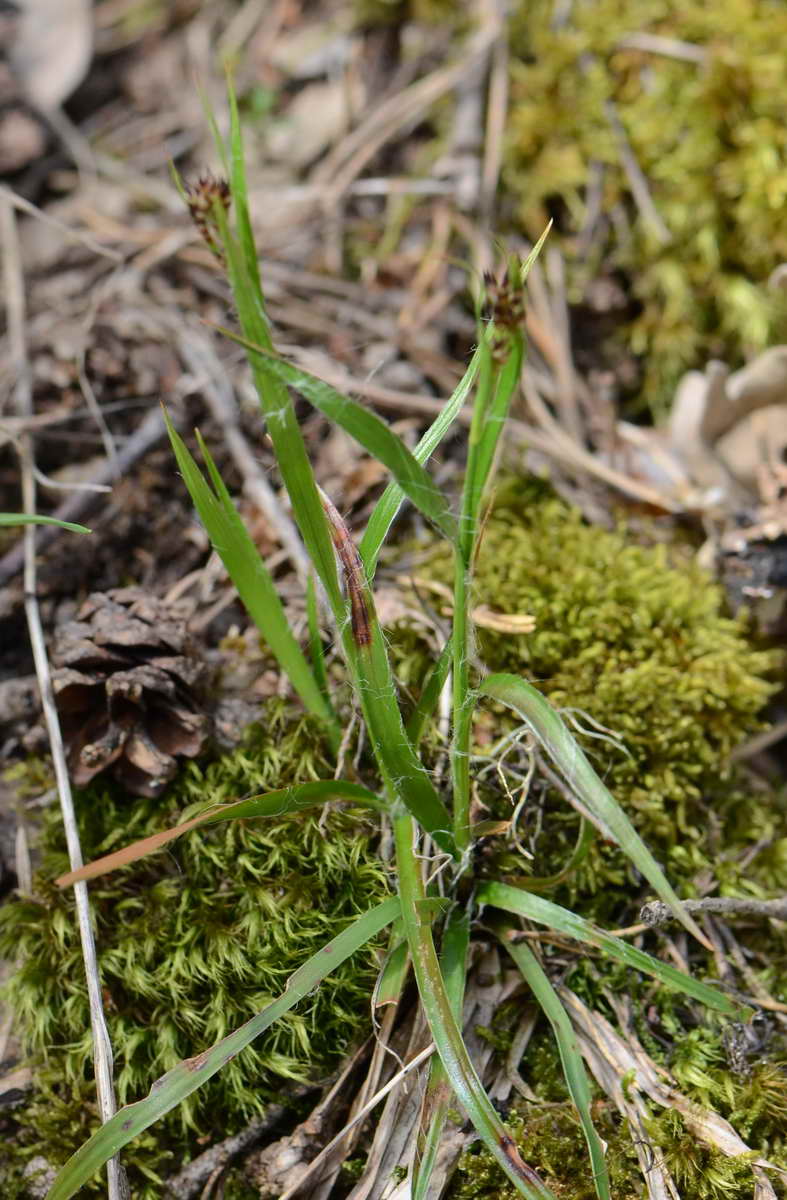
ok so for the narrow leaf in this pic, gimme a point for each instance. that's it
(562, 920)
(239, 188)
(190, 1074)
(34, 519)
(387, 506)
(272, 804)
(248, 572)
(570, 1056)
(368, 430)
(391, 981)
(282, 424)
(570, 760)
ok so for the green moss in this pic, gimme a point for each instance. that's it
(550, 1139)
(643, 649)
(194, 940)
(710, 139)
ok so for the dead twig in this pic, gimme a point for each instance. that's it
(102, 1049)
(318, 1162)
(72, 235)
(656, 913)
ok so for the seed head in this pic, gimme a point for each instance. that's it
(203, 198)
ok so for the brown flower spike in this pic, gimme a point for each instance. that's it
(506, 300)
(202, 198)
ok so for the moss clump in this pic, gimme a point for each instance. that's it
(709, 137)
(643, 649)
(550, 1139)
(193, 941)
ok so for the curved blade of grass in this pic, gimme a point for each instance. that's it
(402, 770)
(247, 570)
(570, 1056)
(442, 1023)
(437, 1099)
(570, 760)
(387, 506)
(190, 1074)
(546, 883)
(272, 804)
(544, 912)
(34, 519)
(369, 431)
(238, 187)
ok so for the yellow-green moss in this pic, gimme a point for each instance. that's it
(710, 138)
(550, 1139)
(191, 943)
(644, 649)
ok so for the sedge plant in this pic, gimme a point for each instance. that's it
(430, 931)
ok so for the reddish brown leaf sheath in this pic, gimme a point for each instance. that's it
(352, 569)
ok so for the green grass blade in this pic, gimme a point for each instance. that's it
(562, 920)
(489, 416)
(437, 1099)
(401, 768)
(369, 431)
(282, 424)
(187, 1076)
(547, 883)
(570, 1056)
(567, 755)
(239, 189)
(430, 695)
(248, 572)
(442, 1023)
(500, 366)
(34, 519)
(295, 798)
(387, 506)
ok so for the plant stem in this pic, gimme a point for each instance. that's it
(462, 627)
(462, 703)
(440, 1017)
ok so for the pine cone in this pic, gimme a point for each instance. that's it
(127, 686)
